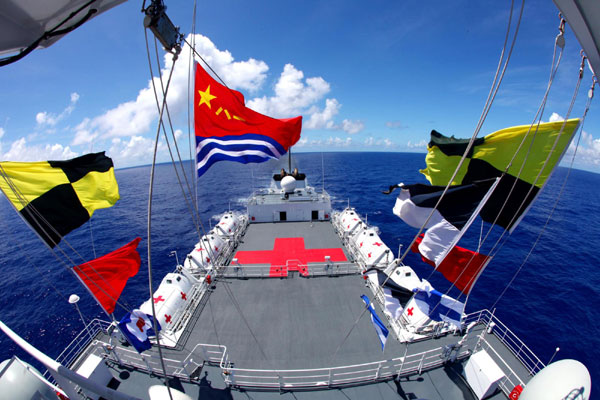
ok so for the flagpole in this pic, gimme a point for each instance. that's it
(290, 159)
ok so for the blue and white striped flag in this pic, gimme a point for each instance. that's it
(380, 328)
(438, 306)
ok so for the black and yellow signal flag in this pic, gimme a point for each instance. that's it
(541, 150)
(55, 197)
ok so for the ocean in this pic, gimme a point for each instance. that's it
(553, 301)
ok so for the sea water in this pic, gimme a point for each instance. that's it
(552, 302)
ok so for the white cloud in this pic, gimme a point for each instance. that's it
(417, 145)
(21, 151)
(555, 117)
(352, 127)
(51, 119)
(134, 151)
(323, 119)
(385, 142)
(136, 117)
(394, 124)
(293, 94)
(339, 142)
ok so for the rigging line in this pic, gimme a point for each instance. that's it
(210, 249)
(173, 134)
(190, 101)
(475, 133)
(28, 258)
(364, 310)
(497, 245)
(552, 75)
(487, 107)
(497, 81)
(187, 201)
(239, 310)
(162, 108)
(554, 68)
(212, 317)
(215, 73)
(70, 265)
(92, 238)
(494, 89)
(590, 96)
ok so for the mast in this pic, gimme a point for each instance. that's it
(290, 159)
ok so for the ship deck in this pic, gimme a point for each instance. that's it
(288, 321)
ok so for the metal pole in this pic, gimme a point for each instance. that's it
(73, 299)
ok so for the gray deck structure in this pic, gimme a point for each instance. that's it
(302, 337)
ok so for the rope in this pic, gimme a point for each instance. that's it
(559, 42)
(587, 107)
(498, 77)
(162, 108)
(161, 124)
(68, 263)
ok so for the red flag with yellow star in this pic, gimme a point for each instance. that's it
(227, 130)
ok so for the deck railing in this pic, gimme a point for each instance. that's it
(278, 271)
(409, 364)
(336, 376)
(523, 353)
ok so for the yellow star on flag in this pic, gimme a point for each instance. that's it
(206, 97)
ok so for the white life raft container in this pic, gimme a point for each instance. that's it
(170, 299)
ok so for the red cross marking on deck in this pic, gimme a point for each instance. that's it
(409, 311)
(183, 296)
(157, 299)
(167, 319)
(377, 244)
(290, 252)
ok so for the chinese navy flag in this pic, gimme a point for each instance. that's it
(227, 130)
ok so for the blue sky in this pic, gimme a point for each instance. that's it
(366, 76)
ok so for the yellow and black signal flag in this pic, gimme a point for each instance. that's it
(490, 156)
(56, 197)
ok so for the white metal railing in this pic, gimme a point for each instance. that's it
(149, 362)
(81, 341)
(511, 378)
(312, 269)
(523, 353)
(335, 376)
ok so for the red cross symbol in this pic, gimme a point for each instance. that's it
(222, 223)
(216, 248)
(183, 296)
(377, 244)
(207, 259)
(348, 226)
(409, 311)
(290, 252)
(361, 244)
(369, 255)
(200, 249)
(157, 299)
(167, 319)
(140, 324)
